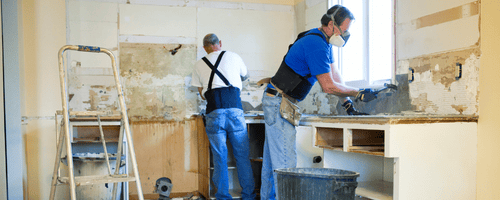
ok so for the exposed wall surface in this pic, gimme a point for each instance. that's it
(426, 41)
(155, 80)
(144, 33)
(488, 179)
(431, 38)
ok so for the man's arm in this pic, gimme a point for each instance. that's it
(200, 90)
(336, 76)
(329, 85)
(332, 83)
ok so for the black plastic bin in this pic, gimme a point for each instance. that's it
(316, 183)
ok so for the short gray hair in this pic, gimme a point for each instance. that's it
(210, 39)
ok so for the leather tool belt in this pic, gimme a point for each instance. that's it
(288, 106)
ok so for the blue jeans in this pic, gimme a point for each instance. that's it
(229, 123)
(279, 146)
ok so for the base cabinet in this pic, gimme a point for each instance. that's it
(256, 136)
(404, 161)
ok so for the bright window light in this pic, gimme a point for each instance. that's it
(368, 57)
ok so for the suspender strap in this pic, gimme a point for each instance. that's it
(214, 70)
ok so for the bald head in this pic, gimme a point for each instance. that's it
(211, 43)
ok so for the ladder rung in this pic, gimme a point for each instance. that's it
(97, 179)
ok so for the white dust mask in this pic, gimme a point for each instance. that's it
(336, 40)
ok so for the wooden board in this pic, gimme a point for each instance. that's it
(166, 149)
(331, 137)
(203, 158)
(92, 133)
(361, 137)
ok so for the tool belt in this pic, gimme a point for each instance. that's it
(288, 106)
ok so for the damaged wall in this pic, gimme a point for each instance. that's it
(155, 79)
(243, 28)
(426, 41)
(431, 38)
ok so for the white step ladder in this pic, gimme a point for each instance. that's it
(64, 136)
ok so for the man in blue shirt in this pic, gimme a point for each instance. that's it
(308, 60)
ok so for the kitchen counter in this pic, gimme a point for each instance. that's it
(404, 118)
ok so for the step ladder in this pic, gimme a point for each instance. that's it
(64, 135)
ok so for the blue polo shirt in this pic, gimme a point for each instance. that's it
(310, 55)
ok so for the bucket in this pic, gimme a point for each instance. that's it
(316, 183)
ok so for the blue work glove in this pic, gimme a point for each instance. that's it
(366, 95)
(349, 108)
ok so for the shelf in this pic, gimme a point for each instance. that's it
(97, 179)
(364, 141)
(94, 140)
(371, 150)
(95, 156)
(235, 193)
(381, 190)
(212, 168)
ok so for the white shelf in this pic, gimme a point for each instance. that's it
(378, 190)
(235, 193)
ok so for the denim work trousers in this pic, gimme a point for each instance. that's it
(279, 146)
(223, 124)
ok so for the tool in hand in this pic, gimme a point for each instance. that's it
(369, 94)
(386, 86)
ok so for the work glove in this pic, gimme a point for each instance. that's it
(349, 108)
(366, 95)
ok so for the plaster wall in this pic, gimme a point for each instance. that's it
(488, 179)
(243, 28)
(426, 42)
(44, 32)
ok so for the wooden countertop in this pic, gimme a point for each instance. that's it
(411, 118)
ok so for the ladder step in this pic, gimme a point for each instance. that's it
(97, 179)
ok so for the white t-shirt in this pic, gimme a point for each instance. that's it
(231, 66)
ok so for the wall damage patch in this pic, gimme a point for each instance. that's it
(435, 89)
(155, 80)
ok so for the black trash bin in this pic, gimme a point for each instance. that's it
(316, 183)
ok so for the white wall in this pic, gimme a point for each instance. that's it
(44, 33)
(488, 178)
(413, 41)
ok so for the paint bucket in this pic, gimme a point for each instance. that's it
(316, 183)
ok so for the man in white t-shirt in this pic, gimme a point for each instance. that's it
(218, 77)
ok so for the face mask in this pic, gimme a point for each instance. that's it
(336, 40)
(339, 40)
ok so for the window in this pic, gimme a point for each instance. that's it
(368, 58)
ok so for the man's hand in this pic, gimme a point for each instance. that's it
(349, 108)
(366, 95)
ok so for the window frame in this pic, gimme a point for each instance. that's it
(365, 81)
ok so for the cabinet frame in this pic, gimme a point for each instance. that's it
(425, 157)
